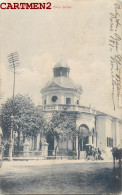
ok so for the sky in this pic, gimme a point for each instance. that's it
(80, 34)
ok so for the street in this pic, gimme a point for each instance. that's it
(58, 177)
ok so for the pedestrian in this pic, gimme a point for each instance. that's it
(96, 154)
(99, 154)
(93, 153)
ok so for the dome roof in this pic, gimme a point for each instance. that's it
(64, 82)
(61, 79)
(61, 63)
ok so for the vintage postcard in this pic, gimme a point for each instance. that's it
(61, 97)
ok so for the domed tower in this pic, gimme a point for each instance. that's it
(61, 89)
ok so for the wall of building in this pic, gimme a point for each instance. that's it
(62, 95)
(114, 132)
(118, 133)
(87, 119)
(62, 145)
(109, 136)
(108, 128)
(101, 133)
(66, 145)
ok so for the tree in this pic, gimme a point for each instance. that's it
(62, 124)
(28, 119)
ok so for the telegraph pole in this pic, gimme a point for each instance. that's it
(13, 60)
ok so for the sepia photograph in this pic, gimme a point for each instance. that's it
(60, 97)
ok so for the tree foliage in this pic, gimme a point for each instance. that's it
(62, 124)
(83, 132)
(28, 118)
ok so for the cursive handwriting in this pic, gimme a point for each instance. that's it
(115, 57)
(115, 73)
(115, 17)
(114, 41)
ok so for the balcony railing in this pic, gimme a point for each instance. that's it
(64, 107)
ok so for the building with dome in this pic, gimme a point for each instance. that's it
(61, 90)
(62, 94)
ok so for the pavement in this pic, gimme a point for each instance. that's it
(7, 164)
(58, 159)
(59, 177)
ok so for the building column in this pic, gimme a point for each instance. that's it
(77, 146)
(55, 142)
(44, 149)
(95, 143)
(48, 99)
(38, 142)
(62, 99)
(26, 148)
(90, 139)
(33, 143)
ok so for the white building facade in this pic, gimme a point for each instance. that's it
(61, 94)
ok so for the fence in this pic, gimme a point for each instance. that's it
(27, 154)
(53, 153)
(61, 152)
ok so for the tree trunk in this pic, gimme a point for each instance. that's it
(18, 141)
(82, 145)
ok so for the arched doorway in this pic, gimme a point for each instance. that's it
(50, 141)
(83, 137)
(82, 143)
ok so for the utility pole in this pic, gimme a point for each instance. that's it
(13, 60)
